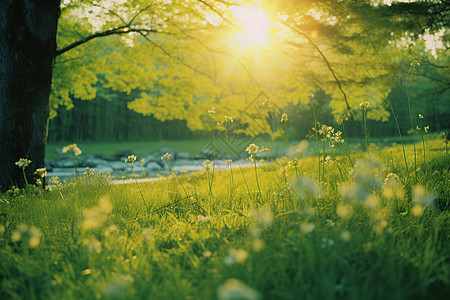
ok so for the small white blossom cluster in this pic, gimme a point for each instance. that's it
(23, 163)
(327, 133)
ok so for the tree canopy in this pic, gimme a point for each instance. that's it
(184, 57)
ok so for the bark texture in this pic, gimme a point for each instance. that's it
(27, 51)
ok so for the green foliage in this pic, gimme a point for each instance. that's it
(180, 58)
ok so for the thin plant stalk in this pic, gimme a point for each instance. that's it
(423, 139)
(167, 157)
(24, 177)
(395, 119)
(176, 176)
(317, 137)
(145, 175)
(408, 96)
(231, 177)
(324, 145)
(139, 188)
(365, 130)
(214, 153)
(256, 176)
(344, 129)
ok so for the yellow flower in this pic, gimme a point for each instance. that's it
(72, 149)
(41, 172)
(364, 105)
(166, 156)
(131, 159)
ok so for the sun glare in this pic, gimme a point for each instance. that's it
(254, 24)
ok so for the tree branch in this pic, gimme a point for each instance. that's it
(326, 62)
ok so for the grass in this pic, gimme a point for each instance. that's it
(281, 235)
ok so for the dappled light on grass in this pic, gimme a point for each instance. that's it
(290, 234)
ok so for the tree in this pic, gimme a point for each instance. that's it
(27, 51)
(179, 55)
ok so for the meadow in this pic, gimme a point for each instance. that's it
(358, 225)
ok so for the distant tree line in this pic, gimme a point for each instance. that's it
(107, 118)
(104, 119)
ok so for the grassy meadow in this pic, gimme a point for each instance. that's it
(363, 227)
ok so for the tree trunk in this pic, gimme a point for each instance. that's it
(27, 51)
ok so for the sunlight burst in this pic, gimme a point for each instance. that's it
(254, 24)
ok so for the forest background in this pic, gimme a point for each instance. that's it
(159, 81)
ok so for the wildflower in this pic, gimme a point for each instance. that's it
(345, 235)
(228, 119)
(257, 244)
(86, 272)
(28, 234)
(142, 161)
(203, 219)
(364, 105)
(306, 227)
(110, 230)
(147, 233)
(73, 149)
(422, 196)
(41, 172)
(117, 287)
(309, 98)
(235, 289)
(97, 215)
(212, 111)
(235, 256)
(207, 165)
(341, 119)
(327, 243)
(23, 163)
(294, 162)
(166, 156)
(343, 211)
(369, 173)
(263, 216)
(93, 244)
(372, 201)
(379, 226)
(426, 128)
(267, 103)
(353, 192)
(252, 149)
(55, 181)
(307, 185)
(284, 118)
(392, 187)
(131, 159)
(420, 116)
